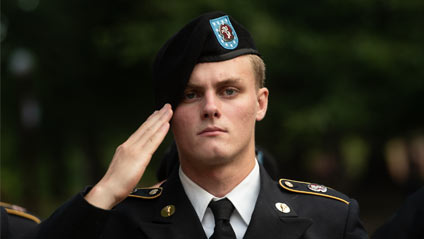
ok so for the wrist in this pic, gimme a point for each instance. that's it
(99, 196)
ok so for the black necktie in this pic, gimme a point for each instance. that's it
(222, 210)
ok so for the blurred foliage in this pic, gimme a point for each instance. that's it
(345, 77)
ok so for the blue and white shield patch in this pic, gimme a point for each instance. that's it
(224, 32)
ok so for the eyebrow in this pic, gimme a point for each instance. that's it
(229, 81)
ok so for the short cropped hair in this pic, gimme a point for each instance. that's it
(258, 69)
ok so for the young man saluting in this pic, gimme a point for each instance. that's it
(209, 79)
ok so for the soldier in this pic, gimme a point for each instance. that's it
(210, 81)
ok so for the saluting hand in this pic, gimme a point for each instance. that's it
(130, 161)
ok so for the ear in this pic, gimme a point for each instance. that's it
(262, 100)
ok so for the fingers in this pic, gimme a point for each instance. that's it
(156, 139)
(151, 125)
(156, 130)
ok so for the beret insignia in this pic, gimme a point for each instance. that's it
(312, 189)
(224, 32)
(146, 193)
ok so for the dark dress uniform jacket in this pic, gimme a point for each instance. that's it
(139, 216)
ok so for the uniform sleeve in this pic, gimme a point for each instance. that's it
(354, 227)
(75, 219)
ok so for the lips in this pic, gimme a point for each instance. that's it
(211, 131)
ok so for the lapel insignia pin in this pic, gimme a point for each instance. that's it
(317, 188)
(282, 207)
(224, 32)
(288, 184)
(167, 211)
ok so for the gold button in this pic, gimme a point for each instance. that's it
(167, 211)
(153, 191)
(282, 207)
(288, 184)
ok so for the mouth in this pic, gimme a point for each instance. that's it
(211, 131)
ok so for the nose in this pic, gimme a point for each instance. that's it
(211, 107)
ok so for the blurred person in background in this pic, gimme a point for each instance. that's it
(407, 222)
(16, 222)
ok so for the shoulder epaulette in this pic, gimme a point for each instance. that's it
(312, 189)
(19, 211)
(146, 193)
(23, 215)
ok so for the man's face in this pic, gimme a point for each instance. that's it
(215, 122)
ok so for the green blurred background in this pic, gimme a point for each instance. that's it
(345, 79)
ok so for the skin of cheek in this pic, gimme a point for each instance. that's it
(246, 115)
(182, 128)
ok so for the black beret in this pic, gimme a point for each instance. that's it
(210, 37)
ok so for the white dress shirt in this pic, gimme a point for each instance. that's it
(243, 197)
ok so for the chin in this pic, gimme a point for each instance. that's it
(216, 157)
(215, 149)
(210, 153)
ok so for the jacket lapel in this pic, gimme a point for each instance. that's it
(267, 221)
(183, 223)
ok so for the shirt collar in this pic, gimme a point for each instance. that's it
(243, 196)
(198, 197)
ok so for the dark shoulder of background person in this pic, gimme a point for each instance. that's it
(407, 222)
(16, 222)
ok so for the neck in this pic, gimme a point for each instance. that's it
(219, 180)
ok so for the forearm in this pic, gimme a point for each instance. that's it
(75, 219)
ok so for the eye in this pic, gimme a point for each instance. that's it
(230, 91)
(190, 95)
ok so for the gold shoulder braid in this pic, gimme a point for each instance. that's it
(311, 188)
(146, 193)
(19, 211)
